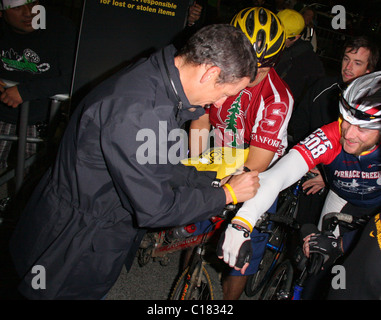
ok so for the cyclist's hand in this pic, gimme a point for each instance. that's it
(306, 245)
(314, 185)
(245, 186)
(327, 246)
(234, 247)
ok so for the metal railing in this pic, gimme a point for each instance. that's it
(21, 162)
(330, 43)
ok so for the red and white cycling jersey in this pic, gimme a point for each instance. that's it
(356, 179)
(321, 146)
(257, 116)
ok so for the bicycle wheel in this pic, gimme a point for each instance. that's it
(192, 287)
(279, 285)
(256, 281)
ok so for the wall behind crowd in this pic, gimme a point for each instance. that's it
(361, 19)
(114, 33)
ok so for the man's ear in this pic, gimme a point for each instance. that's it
(210, 73)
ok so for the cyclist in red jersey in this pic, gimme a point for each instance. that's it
(256, 117)
(350, 151)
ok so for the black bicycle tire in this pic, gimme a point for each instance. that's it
(252, 288)
(280, 280)
(256, 281)
(281, 216)
(178, 289)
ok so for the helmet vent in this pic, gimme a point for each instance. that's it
(262, 17)
(260, 41)
(273, 28)
(250, 24)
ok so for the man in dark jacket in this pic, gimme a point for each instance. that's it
(116, 174)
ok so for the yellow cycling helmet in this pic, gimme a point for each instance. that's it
(264, 30)
(292, 21)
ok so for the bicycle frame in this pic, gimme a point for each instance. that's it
(193, 276)
(155, 244)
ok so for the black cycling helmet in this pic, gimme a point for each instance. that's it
(265, 32)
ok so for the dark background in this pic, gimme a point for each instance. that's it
(111, 37)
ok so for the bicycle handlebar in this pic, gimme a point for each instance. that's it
(332, 219)
(230, 209)
(289, 221)
(340, 216)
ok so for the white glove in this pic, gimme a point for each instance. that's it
(234, 246)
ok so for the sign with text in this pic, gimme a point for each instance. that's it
(114, 33)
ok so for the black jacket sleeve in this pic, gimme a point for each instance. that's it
(158, 192)
(300, 125)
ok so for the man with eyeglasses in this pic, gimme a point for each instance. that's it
(350, 151)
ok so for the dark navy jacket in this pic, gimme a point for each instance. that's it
(88, 214)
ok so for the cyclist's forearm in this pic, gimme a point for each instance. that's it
(284, 173)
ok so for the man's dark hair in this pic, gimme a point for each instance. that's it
(354, 44)
(224, 46)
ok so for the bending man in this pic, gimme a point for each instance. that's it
(87, 216)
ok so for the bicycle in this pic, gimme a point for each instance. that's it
(282, 285)
(194, 283)
(278, 225)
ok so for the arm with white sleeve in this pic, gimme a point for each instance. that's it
(283, 174)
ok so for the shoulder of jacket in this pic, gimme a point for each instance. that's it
(324, 86)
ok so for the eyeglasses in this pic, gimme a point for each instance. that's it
(357, 113)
